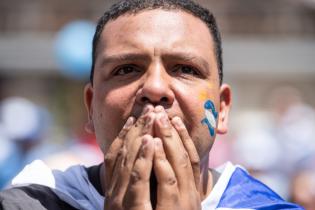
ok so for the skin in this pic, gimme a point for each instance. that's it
(151, 67)
(302, 191)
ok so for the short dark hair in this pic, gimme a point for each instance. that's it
(135, 6)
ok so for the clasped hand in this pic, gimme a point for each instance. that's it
(152, 143)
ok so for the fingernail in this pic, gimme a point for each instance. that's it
(177, 121)
(129, 122)
(145, 140)
(159, 108)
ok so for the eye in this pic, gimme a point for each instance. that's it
(185, 69)
(125, 69)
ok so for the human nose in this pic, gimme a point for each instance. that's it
(156, 87)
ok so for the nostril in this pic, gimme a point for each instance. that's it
(145, 100)
(164, 99)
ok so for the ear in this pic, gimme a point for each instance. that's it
(88, 98)
(225, 105)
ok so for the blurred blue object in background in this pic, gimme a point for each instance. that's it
(10, 160)
(22, 120)
(73, 49)
(23, 127)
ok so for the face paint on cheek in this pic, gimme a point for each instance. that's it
(203, 95)
(211, 116)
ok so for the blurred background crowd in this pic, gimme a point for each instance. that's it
(269, 60)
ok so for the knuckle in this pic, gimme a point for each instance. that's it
(185, 156)
(195, 162)
(181, 129)
(108, 194)
(108, 159)
(161, 159)
(166, 132)
(116, 204)
(135, 176)
(128, 165)
(184, 159)
(121, 152)
(123, 132)
(171, 181)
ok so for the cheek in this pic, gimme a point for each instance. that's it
(203, 143)
(201, 123)
(202, 138)
(110, 114)
(195, 114)
(117, 103)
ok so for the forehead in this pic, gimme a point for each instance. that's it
(157, 31)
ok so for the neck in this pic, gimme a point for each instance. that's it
(207, 180)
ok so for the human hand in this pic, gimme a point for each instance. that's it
(176, 168)
(176, 165)
(128, 164)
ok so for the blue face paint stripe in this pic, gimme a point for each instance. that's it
(209, 105)
(215, 114)
(211, 129)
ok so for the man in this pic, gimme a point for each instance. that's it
(155, 102)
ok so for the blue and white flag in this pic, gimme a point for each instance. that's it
(235, 189)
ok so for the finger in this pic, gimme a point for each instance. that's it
(111, 155)
(131, 144)
(126, 128)
(138, 193)
(174, 150)
(121, 156)
(112, 199)
(167, 192)
(190, 148)
(119, 141)
(140, 128)
(134, 137)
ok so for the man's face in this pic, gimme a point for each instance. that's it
(160, 57)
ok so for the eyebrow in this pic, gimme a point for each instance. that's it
(123, 58)
(187, 57)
